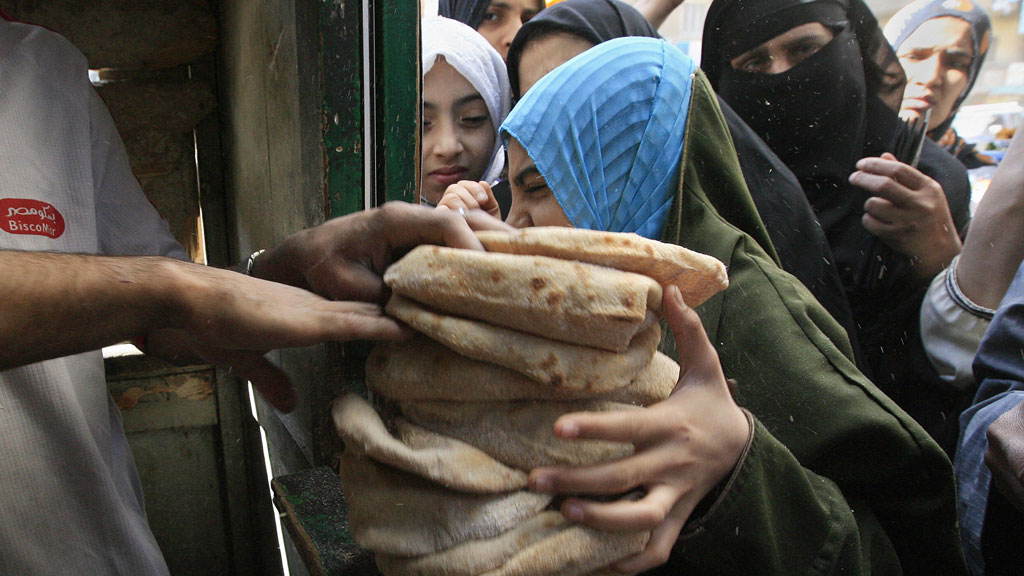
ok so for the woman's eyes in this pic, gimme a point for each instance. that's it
(756, 65)
(473, 121)
(961, 63)
(807, 48)
(536, 188)
(952, 61)
(915, 55)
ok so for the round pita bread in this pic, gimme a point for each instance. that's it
(575, 551)
(697, 275)
(545, 361)
(405, 515)
(421, 369)
(545, 544)
(441, 459)
(519, 434)
(477, 556)
(558, 299)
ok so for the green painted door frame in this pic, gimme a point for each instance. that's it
(371, 78)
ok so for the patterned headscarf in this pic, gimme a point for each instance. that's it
(907, 20)
(606, 131)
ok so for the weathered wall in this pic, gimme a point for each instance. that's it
(155, 119)
(186, 430)
(271, 130)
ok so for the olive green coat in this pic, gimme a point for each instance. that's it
(836, 479)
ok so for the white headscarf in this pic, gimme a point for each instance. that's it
(478, 62)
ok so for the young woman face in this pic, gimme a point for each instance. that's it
(533, 203)
(504, 18)
(937, 58)
(458, 135)
(785, 50)
(544, 54)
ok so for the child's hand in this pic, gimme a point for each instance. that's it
(469, 196)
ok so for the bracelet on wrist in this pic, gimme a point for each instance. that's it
(961, 299)
(252, 261)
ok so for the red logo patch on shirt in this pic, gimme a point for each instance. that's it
(24, 216)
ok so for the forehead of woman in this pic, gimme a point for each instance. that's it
(545, 53)
(905, 22)
(445, 86)
(944, 33)
(613, 162)
(594, 21)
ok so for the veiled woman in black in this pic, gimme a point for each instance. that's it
(806, 77)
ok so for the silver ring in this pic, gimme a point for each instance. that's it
(462, 211)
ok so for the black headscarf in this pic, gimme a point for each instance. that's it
(797, 239)
(821, 116)
(594, 20)
(469, 12)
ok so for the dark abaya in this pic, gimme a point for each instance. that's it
(821, 116)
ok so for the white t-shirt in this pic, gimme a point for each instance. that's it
(70, 499)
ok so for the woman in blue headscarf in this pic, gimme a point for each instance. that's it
(833, 477)
(573, 26)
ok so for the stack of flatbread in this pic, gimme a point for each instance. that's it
(546, 322)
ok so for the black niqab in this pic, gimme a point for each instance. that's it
(821, 116)
(802, 113)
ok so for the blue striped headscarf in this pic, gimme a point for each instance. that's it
(606, 132)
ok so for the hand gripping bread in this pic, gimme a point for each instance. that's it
(548, 321)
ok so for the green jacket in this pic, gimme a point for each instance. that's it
(836, 478)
